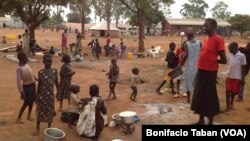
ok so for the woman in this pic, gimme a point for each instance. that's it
(93, 114)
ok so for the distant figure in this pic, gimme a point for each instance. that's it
(65, 80)
(26, 41)
(74, 104)
(52, 50)
(47, 78)
(78, 45)
(113, 76)
(4, 40)
(97, 48)
(107, 46)
(236, 74)
(205, 100)
(135, 80)
(19, 44)
(64, 41)
(92, 46)
(26, 85)
(123, 49)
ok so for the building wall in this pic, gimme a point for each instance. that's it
(175, 30)
(113, 34)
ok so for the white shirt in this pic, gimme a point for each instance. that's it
(235, 65)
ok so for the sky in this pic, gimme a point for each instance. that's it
(234, 6)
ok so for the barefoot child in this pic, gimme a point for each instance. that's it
(65, 80)
(74, 104)
(134, 83)
(113, 76)
(26, 85)
(47, 78)
(235, 75)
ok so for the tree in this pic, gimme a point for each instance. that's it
(32, 13)
(194, 9)
(241, 23)
(99, 5)
(81, 7)
(220, 11)
(139, 7)
(119, 11)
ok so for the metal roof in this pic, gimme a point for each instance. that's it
(194, 22)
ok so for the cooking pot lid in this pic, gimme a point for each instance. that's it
(127, 114)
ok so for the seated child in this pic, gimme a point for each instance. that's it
(74, 104)
(52, 50)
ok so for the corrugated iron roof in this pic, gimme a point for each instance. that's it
(4, 19)
(194, 22)
(103, 26)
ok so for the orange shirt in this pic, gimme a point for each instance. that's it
(208, 59)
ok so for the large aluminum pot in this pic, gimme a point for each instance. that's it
(128, 117)
(53, 134)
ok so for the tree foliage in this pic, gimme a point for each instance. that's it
(139, 7)
(241, 23)
(219, 11)
(31, 12)
(194, 9)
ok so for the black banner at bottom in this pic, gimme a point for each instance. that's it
(214, 132)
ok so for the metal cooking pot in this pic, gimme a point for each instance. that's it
(127, 117)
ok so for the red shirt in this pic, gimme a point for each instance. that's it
(208, 59)
(179, 53)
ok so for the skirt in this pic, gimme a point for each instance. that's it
(205, 98)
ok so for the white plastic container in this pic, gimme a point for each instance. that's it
(53, 134)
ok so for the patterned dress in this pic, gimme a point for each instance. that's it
(65, 82)
(45, 95)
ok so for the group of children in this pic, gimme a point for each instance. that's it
(238, 68)
(48, 78)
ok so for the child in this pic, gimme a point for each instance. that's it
(113, 76)
(172, 63)
(26, 85)
(74, 104)
(47, 78)
(52, 50)
(235, 75)
(19, 45)
(179, 54)
(134, 83)
(153, 52)
(123, 50)
(65, 80)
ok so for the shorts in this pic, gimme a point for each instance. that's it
(168, 78)
(112, 85)
(233, 85)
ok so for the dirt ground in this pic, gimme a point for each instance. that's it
(89, 72)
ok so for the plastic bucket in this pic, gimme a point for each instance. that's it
(10, 37)
(130, 55)
(53, 134)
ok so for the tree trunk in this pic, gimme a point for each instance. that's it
(241, 34)
(32, 33)
(108, 14)
(83, 21)
(140, 15)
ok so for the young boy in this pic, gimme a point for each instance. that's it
(172, 63)
(235, 75)
(74, 104)
(47, 78)
(113, 76)
(26, 85)
(134, 83)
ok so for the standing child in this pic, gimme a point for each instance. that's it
(65, 80)
(19, 44)
(26, 85)
(235, 75)
(113, 76)
(47, 78)
(180, 54)
(172, 63)
(134, 83)
(74, 104)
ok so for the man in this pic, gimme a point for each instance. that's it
(205, 100)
